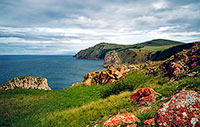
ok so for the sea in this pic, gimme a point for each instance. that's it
(60, 70)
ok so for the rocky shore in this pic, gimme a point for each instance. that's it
(26, 82)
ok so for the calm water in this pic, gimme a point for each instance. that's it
(60, 71)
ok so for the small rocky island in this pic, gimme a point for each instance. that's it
(26, 82)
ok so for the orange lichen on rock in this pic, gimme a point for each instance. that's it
(150, 122)
(122, 119)
(143, 96)
(183, 109)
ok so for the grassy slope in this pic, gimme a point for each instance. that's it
(26, 107)
(162, 55)
(157, 48)
(81, 106)
(97, 112)
(98, 51)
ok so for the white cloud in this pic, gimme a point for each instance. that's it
(161, 4)
(69, 26)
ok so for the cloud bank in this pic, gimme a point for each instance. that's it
(65, 26)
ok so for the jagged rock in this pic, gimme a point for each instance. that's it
(112, 59)
(179, 63)
(143, 96)
(175, 69)
(26, 82)
(88, 82)
(150, 122)
(182, 110)
(127, 119)
(193, 65)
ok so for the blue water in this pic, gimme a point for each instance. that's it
(60, 71)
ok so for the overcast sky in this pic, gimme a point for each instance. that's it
(67, 26)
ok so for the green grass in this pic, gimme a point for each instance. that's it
(25, 107)
(83, 105)
(97, 112)
(157, 48)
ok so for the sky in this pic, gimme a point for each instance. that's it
(53, 27)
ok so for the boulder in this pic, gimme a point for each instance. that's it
(149, 122)
(127, 119)
(182, 110)
(144, 96)
(175, 69)
(26, 82)
(118, 75)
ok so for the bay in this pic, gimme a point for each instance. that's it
(60, 70)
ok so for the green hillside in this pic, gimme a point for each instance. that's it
(93, 105)
(83, 105)
(164, 54)
(98, 51)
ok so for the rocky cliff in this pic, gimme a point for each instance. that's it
(131, 54)
(26, 82)
(174, 67)
(112, 59)
(128, 56)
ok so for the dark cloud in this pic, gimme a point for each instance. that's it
(66, 26)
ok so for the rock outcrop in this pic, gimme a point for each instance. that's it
(110, 75)
(125, 119)
(179, 63)
(182, 110)
(112, 59)
(144, 96)
(26, 82)
(149, 122)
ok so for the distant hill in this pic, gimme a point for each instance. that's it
(99, 51)
(159, 42)
(162, 55)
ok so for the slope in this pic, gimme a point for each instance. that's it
(99, 51)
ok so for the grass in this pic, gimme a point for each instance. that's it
(25, 107)
(83, 105)
(157, 48)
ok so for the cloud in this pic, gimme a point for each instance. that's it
(160, 4)
(65, 27)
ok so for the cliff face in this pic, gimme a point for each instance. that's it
(128, 56)
(112, 59)
(26, 82)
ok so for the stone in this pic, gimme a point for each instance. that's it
(150, 122)
(118, 75)
(122, 119)
(88, 82)
(147, 100)
(144, 96)
(182, 110)
(193, 65)
(26, 82)
(175, 69)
